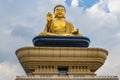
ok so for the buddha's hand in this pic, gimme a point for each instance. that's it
(49, 16)
(75, 31)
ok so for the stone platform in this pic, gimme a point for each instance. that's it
(61, 41)
(48, 60)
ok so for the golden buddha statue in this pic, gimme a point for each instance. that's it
(59, 26)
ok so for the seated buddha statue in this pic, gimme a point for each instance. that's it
(58, 26)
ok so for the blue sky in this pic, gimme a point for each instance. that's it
(21, 20)
(83, 3)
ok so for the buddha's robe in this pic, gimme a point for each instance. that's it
(64, 29)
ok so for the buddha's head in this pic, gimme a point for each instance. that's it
(59, 11)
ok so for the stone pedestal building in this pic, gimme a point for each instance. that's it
(62, 63)
(61, 53)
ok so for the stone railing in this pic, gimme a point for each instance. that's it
(68, 77)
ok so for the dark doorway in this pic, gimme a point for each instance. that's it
(62, 70)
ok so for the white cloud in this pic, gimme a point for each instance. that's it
(74, 3)
(114, 6)
(8, 71)
(56, 2)
(118, 35)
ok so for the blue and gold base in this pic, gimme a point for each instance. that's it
(61, 41)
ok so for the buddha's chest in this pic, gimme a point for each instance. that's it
(59, 24)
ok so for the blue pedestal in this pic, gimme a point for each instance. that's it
(61, 41)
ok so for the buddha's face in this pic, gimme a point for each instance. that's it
(59, 12)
